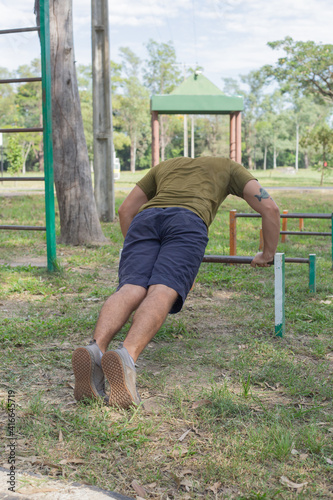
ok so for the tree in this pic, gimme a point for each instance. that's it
(79, 222)
(14, 155)
(322, 139)
(161, 77)
(28, 100)
(306, 65)
(134, 110)
(252, 100)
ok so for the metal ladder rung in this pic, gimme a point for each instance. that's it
(10, 130)
(20, 80)
(18, 30)
(22, 179)
(24, 228)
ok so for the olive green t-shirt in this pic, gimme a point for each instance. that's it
(198, 184)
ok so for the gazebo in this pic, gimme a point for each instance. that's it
(197, 95)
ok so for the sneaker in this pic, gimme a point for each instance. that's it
(89, 376)
(119, 370)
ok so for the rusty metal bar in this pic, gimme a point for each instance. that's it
(14, 130)
(284, 226)
(291, 216)
(235, 259)
(25, 228)
(21, 80)
(18, 30)
(306, 233)
(22, 179)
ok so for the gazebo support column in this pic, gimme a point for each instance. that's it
(155, 139)
(238, 137)
(233, 136)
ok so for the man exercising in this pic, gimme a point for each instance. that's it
(165, 221)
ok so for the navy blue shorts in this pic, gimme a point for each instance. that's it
(164, 246)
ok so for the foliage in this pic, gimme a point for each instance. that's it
(306, 66)
(321, 138)
(14, 155)
(274, 121)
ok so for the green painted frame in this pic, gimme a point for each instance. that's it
(47, 134)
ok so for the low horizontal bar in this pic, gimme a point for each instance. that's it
(292, 216)
(306, 233)
(22, 179)
(24, 228)
(21, 80)
(235, 259)
(14, 130)
(18, 30)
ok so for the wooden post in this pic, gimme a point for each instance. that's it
(238, 137)
(284, 227)
(301, 224)
(232, 230)
(279, 265)
(155, 147)
(102, 115)
(233, 136)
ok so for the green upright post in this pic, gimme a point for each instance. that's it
(47, 134)
(279, 265)
(312, 273)
(332, 237)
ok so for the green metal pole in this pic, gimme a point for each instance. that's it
(312, 273)
(279, 267)
(47, 134)
(332, 237)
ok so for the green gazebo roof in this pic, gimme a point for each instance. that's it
(196, 95)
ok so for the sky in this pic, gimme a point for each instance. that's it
(227, 37)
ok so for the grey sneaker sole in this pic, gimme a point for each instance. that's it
(113, 369)
(83, 364)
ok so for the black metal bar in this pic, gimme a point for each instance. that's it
(22, 179)
(13, 130)
(25, 228)
(235, 259)
(306, 233)
(18, 30)
(292, 216)
(21, 80)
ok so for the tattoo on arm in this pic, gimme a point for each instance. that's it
(263, 195)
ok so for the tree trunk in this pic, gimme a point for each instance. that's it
(297, 147)
(133, 153)
(162, 136)
(274, 157)
(79, 222)
(306, 160)
(265, 157)
(25, 158)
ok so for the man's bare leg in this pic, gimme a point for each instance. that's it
(118, 365)
(149, 318)
(86, 361)
(115, 312)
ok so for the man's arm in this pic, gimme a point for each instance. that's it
(258, 199)
(130, 207)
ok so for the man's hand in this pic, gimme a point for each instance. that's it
(260, 261)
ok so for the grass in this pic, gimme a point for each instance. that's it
(256, 407)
